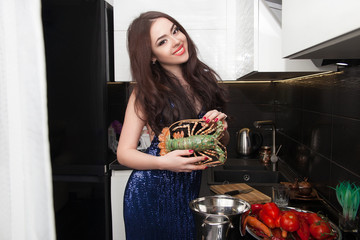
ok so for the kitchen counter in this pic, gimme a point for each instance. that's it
(310, 205)
(313, 205)
(266, 188)
(115, 165)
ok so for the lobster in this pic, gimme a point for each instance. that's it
(203, 138)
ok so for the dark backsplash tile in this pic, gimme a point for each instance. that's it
(317, 132)
(318, 94)
(347, 94)
(289, 121)
(244, 115)
(307, 164)
(251, 93)
(295, 154)
(319, 173)
(248, 103)
(346, 143)
(319, 125)
(289, 95)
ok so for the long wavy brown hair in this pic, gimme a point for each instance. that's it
(159, 93)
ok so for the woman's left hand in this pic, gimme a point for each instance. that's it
(214, 116)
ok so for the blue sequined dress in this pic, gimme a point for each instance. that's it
(156, 203)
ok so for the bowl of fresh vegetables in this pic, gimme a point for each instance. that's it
(268, 221)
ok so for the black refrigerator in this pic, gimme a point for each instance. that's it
(79, 49)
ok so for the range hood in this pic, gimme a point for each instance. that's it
(259, 44)
(329, 31)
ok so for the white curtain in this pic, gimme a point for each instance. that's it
(26, 204)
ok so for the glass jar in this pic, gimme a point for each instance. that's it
(265, 154)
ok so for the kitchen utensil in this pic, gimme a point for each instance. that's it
(305, 191)
(248, 141)
(305, 188)
(334, 228)
(253, 197)
(236, 192)
(294, 194)
(278, 150)
(215, 227)
(265, 154)
(217, 207)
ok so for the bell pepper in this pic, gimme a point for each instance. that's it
(266, 219)
(255, 208)
(270, 215)
(271, 209)
(304, 229)
(277, 220)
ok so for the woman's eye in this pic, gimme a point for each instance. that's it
(162, 42)
(176, 30)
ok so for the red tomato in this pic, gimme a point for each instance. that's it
(312, 218)
(299, 214)
(320, 230)
(289, 222)
(271, 209)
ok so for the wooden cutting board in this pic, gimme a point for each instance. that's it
(252, 197)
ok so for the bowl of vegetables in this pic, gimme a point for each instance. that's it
(268, 221)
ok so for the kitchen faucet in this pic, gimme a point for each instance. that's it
(274, 158)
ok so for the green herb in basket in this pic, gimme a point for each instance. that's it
(348, 195)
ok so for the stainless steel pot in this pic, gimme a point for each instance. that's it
(215, 227)
(219, 217)
(248, 141)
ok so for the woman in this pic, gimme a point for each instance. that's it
(172, 84)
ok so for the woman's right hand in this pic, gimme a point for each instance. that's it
(179, 161)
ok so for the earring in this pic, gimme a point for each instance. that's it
(153, 61)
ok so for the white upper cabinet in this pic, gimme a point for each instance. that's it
(237, 38)
(204, 20)
(259, 44)
(321, 29)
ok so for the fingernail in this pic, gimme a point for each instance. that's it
(191, 151)
(206, 167)
(225, 128)
(207, 120)
(206, 158)
(204, 118)
(216, 119)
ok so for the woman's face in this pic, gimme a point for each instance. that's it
(169, 45)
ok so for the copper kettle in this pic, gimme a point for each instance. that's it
(248, 142)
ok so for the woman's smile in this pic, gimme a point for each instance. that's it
(180, 51)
